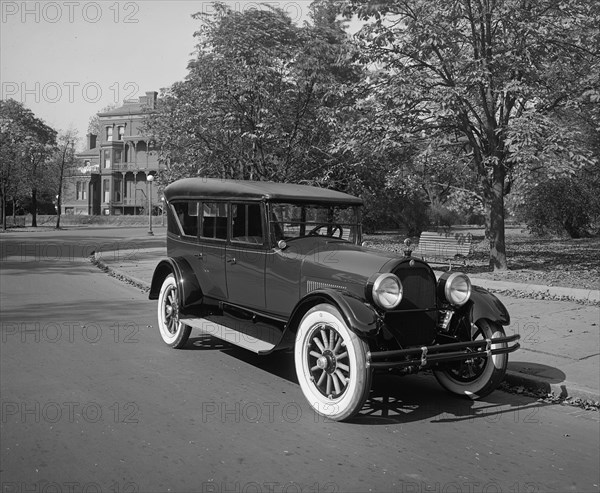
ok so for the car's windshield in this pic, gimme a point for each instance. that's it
(290, 221)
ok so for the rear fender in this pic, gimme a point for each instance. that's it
(189, 290)
(360, 317)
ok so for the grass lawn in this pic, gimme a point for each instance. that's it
(531, 260)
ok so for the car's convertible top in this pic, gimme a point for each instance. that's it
(255, 190)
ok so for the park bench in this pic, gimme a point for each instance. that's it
(448, 247)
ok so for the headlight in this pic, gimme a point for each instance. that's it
(455, 287)
(387, 291)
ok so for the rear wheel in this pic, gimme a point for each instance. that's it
(174, 332)
(480, 375)
(331, 364)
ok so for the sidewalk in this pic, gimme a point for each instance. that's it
(560, 340)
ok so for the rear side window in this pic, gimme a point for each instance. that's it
(214, 220)
(187, 217)
(246, 223)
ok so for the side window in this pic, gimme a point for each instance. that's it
(214, 220)
(187, 216)
(246, 223)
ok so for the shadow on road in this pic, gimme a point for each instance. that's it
(279, 363)
(396, 399)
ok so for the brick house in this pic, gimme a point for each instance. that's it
(111, 178)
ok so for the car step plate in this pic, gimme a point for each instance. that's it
(256, 337)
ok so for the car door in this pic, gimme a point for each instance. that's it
(209, 260)
(245, 257)
(282, 279)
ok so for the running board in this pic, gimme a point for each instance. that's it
(259, 338)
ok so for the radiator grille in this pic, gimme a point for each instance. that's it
(419, 285)
(414, 321)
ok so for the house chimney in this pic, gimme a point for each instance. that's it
(151, 99)
(91, 141)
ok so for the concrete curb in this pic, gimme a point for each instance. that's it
(592, 295)
(563, 389)
(118, 273)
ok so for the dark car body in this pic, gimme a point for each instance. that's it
(257, 264)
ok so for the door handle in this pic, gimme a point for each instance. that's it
(198, 255)
(231, 260)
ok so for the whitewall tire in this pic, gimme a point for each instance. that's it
(479, 376)
(331, 364)
(174, 332)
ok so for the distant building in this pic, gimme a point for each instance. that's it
(113, 171)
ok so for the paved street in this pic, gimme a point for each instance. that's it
(93, 400)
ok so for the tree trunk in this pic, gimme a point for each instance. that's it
(59, 195)
(487, 214)
(3, 205)
(34, 208)
(496, 222)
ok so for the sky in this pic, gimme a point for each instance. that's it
(66, 60)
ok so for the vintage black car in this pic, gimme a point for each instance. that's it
(271, 266)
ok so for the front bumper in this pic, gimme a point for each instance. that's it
(428, 355)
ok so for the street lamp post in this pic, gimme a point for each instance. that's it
(150, 180)
(162, 212)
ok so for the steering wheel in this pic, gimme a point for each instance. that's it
(336, 227)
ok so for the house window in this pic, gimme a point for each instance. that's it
(106, 190)
(117, 184)
(81, 190)
(107, 158)
(109, 134)
(121, 132)
(118, 155)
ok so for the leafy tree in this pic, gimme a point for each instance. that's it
(567, 202)
(488, 76)
(26, 144)
(253, 103)
(63, 162)
(564, 205)
(405, 180)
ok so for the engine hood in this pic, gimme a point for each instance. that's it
(337, 263)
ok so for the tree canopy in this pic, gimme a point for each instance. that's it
(252, 105)
(490, 78)
(27, 142)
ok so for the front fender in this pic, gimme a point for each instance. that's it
(189, 290)
(360, 317)
(484, 304)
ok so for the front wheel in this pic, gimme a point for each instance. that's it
(480, 375)
(174, 332)
(331, 364)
